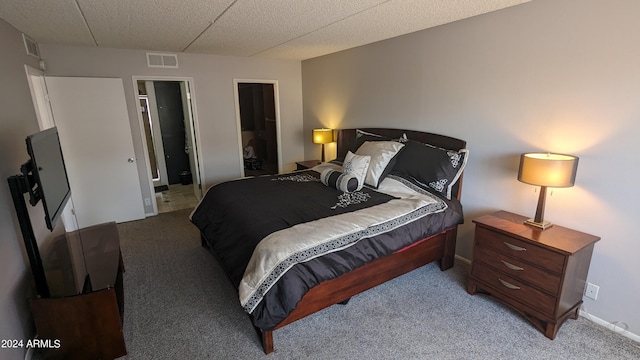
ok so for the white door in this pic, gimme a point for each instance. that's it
(95, 135)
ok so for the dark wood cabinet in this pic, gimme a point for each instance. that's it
(539, 273)
(304, 165)
(88, 324)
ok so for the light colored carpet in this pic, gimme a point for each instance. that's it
(180, 305)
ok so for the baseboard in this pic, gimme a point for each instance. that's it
(160, 188)
(463, 260)
(613, 327)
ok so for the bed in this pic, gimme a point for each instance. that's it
(294, 244)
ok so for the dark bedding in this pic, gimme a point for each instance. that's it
(235, 216)
(287, 292)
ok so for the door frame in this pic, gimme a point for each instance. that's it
(195, 130)
(276, 100)
(44, 115)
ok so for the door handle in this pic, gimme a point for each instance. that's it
(131, 160)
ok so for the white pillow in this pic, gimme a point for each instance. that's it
(382, 153)
(356, 165)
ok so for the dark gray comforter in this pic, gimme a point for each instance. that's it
(234, 217)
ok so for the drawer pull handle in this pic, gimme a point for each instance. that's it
(511, 266)
(513, 247)
(509, 285)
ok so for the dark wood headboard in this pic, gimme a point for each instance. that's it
(346, 138)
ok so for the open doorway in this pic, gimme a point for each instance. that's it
(259, 126)
(168, 124)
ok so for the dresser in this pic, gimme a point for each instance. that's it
(541, 274)
(85, 323)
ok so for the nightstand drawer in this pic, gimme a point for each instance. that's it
(525, 251)
(518, 269)
(515, 289)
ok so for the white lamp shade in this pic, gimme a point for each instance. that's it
(544, 169)
(322, 136)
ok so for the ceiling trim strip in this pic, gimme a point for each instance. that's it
(209, 26)
(84, 19)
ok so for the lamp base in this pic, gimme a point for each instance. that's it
(541, 225)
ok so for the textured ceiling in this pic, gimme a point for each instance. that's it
(280, 29)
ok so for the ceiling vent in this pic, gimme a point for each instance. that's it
(31, 46)
(157, 60)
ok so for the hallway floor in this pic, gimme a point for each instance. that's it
(178, 197)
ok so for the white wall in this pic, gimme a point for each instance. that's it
(17, 120)
(215, 109)
(549, 75)
(214, 99)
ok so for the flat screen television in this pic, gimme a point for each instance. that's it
(49, 173)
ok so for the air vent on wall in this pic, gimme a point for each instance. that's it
(31, 46)
(157, 60)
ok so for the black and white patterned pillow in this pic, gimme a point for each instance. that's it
(338, 180)
(434, 167)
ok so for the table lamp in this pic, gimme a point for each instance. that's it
(546, 170)
(322, 136)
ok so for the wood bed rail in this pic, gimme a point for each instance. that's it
(439, 247)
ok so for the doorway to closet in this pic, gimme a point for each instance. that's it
(259, 126)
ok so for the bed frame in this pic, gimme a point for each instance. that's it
(339, 290)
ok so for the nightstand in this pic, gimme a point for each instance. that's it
(541, 274)
(304, 165)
